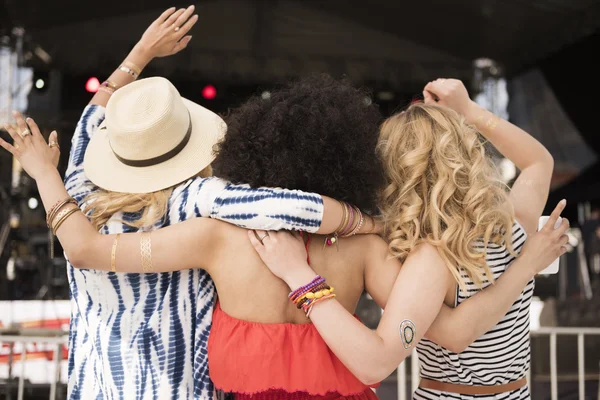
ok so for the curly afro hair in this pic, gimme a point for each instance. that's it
(317, 135)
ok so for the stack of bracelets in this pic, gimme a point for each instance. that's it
(128, 67)
(57, 215)
(307, 296)
(352, 220)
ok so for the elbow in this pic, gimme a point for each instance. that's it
(458, 346)
(374, 375)
(77, 257)
(458, 343)
(549, 160)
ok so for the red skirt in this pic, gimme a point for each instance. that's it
(277, 361)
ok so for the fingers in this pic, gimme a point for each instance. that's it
(166, 14)
(8, 147)
(428, 97)
(35, 130)
(297, 236)
(554, 216)
(22, 126)
(181, 19)
(564, 239)
(563, 227)
(182, 44)
(53, 143)
(18, 140)
(173, 17)
(258, 246)
(185, 28)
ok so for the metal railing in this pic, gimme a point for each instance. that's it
(552, 333)
(58, 343)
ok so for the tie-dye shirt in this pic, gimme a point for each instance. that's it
(144, 336)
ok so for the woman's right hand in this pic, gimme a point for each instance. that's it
(450, 93)
(546, 245)
(167, 34)
(33, 153)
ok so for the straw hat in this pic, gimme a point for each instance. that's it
(151, 138)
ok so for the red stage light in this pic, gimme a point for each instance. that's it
(92, 85)
(209, 92)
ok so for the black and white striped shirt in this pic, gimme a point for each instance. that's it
(499, 356)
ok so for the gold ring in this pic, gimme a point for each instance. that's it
(53, 144)
(260, 239)
(26, 132)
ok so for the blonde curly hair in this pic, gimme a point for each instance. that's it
(442, 189)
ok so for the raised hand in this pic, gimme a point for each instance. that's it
(167, 34)
(450, 93)
(546, 245)
(30, 148)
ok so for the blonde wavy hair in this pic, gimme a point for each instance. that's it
(101, 205)
(442, 189)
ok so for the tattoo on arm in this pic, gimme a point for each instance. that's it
(408, 331)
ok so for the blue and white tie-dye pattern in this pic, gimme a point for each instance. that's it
(144, 336)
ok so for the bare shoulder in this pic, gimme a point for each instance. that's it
(371, 243)
(425, 253)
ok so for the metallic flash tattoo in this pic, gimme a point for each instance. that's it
(408, 332)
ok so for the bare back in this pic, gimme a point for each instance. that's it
(248, 290)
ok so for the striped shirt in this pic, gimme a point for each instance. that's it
(144, 336)
(499, 356)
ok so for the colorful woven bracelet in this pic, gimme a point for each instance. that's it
(303, 289)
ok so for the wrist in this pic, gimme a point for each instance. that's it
(299, 276)
(44, 172)
(474, 112)
(140, 55)
(526, 268)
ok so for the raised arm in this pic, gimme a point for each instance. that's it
(182, 246)
(159, 40)
(415, 301)
(530, 191)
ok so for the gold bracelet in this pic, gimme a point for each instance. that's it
(129, 71)
(113, 254)
(58, 217)
(133, 67)
(52, 213)
(106, 89)
(345, 218)
(146, 251)
(63, 219)
(110, 84)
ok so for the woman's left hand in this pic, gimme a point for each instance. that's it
(30, 148)
(284, 254)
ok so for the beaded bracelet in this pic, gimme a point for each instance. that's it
(331, 296)
(317, 292)
(296, 298)
(303, 289)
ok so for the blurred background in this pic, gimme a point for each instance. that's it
(530, 61)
